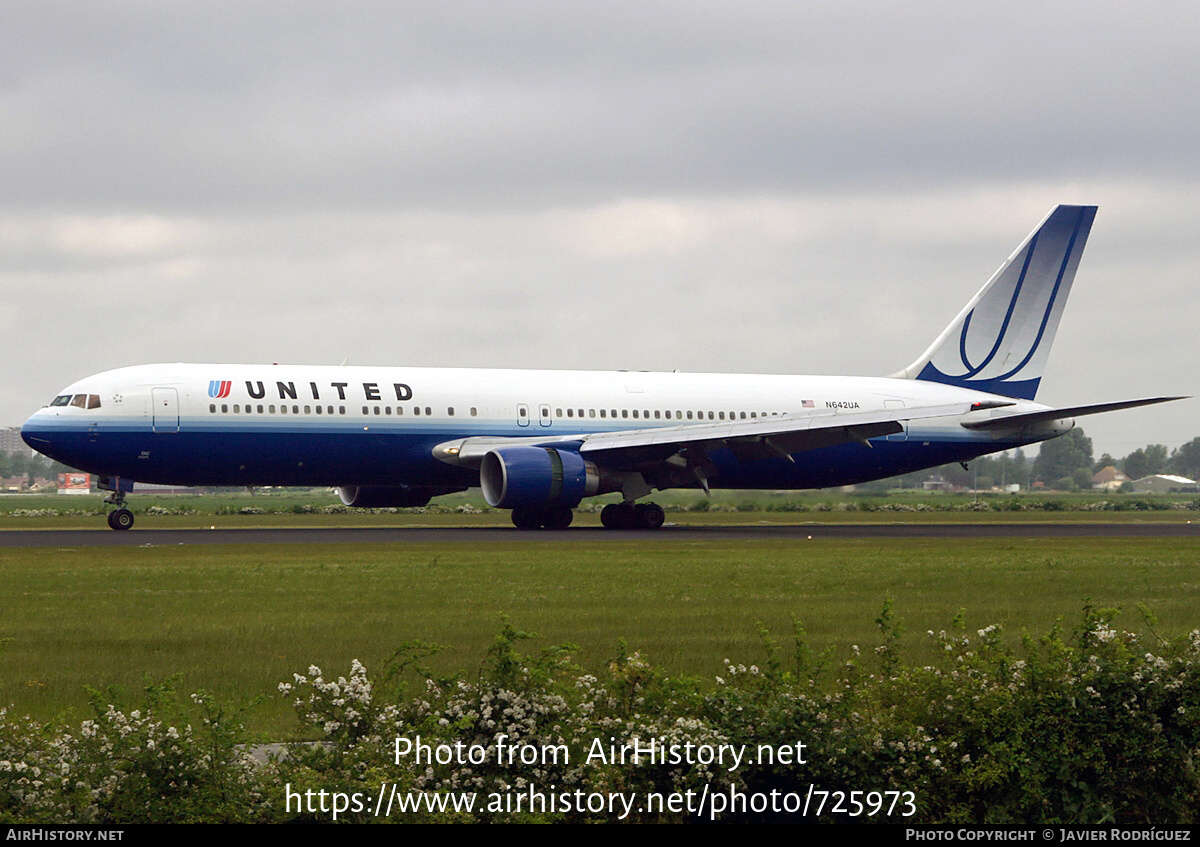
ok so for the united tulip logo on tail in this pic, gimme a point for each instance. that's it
(219, 388)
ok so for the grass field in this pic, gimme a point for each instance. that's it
(295, 508)
(239, 619)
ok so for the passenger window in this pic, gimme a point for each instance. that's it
(212, 408)
(474, 412)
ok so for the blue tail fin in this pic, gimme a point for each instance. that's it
(999, 343)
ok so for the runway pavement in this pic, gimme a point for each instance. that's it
(498, 535)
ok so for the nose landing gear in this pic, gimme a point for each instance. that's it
(119, 518)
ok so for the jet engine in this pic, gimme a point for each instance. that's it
(537, 477)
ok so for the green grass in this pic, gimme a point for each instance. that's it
(285, 507)
(239, 619)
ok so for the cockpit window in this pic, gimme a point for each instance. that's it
(79, 401)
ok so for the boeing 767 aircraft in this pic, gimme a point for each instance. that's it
(538, 442)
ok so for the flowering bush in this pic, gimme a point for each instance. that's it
(1095, 725)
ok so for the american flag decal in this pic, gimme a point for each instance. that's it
(808, 404)
(219, 388)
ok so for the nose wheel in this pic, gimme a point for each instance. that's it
(120, 519)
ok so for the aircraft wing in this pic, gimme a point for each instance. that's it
(759, 438)
(1023, 419)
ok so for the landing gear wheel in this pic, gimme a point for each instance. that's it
(557, 517)
(629, 516)
(649, 515)
(612, 516)
(523, 517)
(120, 519)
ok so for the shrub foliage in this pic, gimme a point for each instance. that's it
(1089, 725)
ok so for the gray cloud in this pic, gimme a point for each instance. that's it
(736, 187)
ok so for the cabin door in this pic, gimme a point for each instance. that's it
(164, 409)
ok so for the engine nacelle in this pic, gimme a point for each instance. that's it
(391, 496)
(513, 477)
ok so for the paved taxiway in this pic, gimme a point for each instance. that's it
(424, 535)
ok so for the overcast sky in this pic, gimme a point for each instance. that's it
(778, 187)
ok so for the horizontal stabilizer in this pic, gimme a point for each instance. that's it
(1027, 418)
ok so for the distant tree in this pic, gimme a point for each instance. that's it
(1185, 460)
(1145, 461)
(1061, 457)
(1103, 462)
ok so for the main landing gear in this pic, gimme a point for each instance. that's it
(552, 517)
(119, 518)
(613, 516)
(632, 516)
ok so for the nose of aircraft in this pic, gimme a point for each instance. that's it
(36, 434)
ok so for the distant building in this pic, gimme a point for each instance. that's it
(937, 482)
(1108, 479)
(1164, 483)
(10, 441)
(13, 484)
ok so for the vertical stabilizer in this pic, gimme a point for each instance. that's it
(999, 343)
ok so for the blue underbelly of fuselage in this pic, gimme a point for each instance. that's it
(336, 455)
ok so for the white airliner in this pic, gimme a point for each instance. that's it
(538, 442)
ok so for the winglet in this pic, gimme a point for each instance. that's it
(1000, 342)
